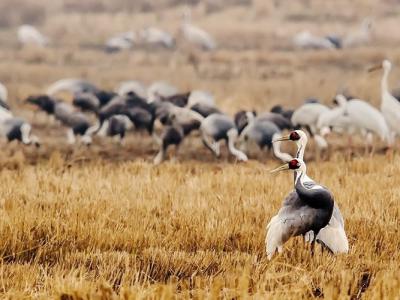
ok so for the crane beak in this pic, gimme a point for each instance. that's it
(374, 68)
(281, 168)
(282, 138)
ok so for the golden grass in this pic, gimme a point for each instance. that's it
(133, 230)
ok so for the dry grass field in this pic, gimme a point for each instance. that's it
(104, 223)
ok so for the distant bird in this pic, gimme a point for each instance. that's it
(196, 35)
(119, 42)
(278, 119)
(92, 102)
(139, 112)
(71, 85)
(390, 105)
(360, 37)
(306, 116)
(202, 98)
(306, 40)
(15, 128)
(131, 86)
(278, 109)
(308, 208)
(205, 110)
(160, 89)
(77, 123)
(218, 127)
(333, 235)
(154, 36)
(179, 122)
(261, 132)
(365, 119)
(3, 94)
(29, 35)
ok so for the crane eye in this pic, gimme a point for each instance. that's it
(294, 136)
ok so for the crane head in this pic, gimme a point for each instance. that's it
(294, 164)
(295, 136)
(386, 65)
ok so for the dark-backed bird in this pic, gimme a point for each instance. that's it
(308, 208)
(333, 235)
(218, 127)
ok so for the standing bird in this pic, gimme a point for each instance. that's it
(365, 119)
(390, 106)
(360, 37)
(306, 116)
(3, 96)
(196, 35)
(217, 127)
(308, 208)
(333, 235)
(77, 123)
(29, 35)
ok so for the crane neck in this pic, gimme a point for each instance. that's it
(300, 150)
(384, 82)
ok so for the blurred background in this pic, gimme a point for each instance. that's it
(260, 56)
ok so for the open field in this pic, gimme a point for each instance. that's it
(104, 223)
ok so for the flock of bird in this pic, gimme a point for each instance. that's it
(150, 36)
(169, 116)
(154, 36)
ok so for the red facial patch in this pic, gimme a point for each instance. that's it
(293, 164)
(294, 136)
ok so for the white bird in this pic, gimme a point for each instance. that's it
(3, 93)
(333, 235)
(120, 42)
(306, 40)
(390, 106)
(308, 208)
(360, 37)
(202, 98)
(29, 35)
(196, 35)
(71, 85)
(307, 116)
(126, 87)
(160, 89)
(156, 37)
(365, 119)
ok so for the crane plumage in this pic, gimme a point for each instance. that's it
(333, 235)
(310, 210)
(29, 35)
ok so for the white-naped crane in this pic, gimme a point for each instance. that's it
(308, 208)
(390, 105)
(333, 236)
(218, 127)
(29, 35)
(259, 131)
(361, 117)
(306, 116)
(196, 35)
